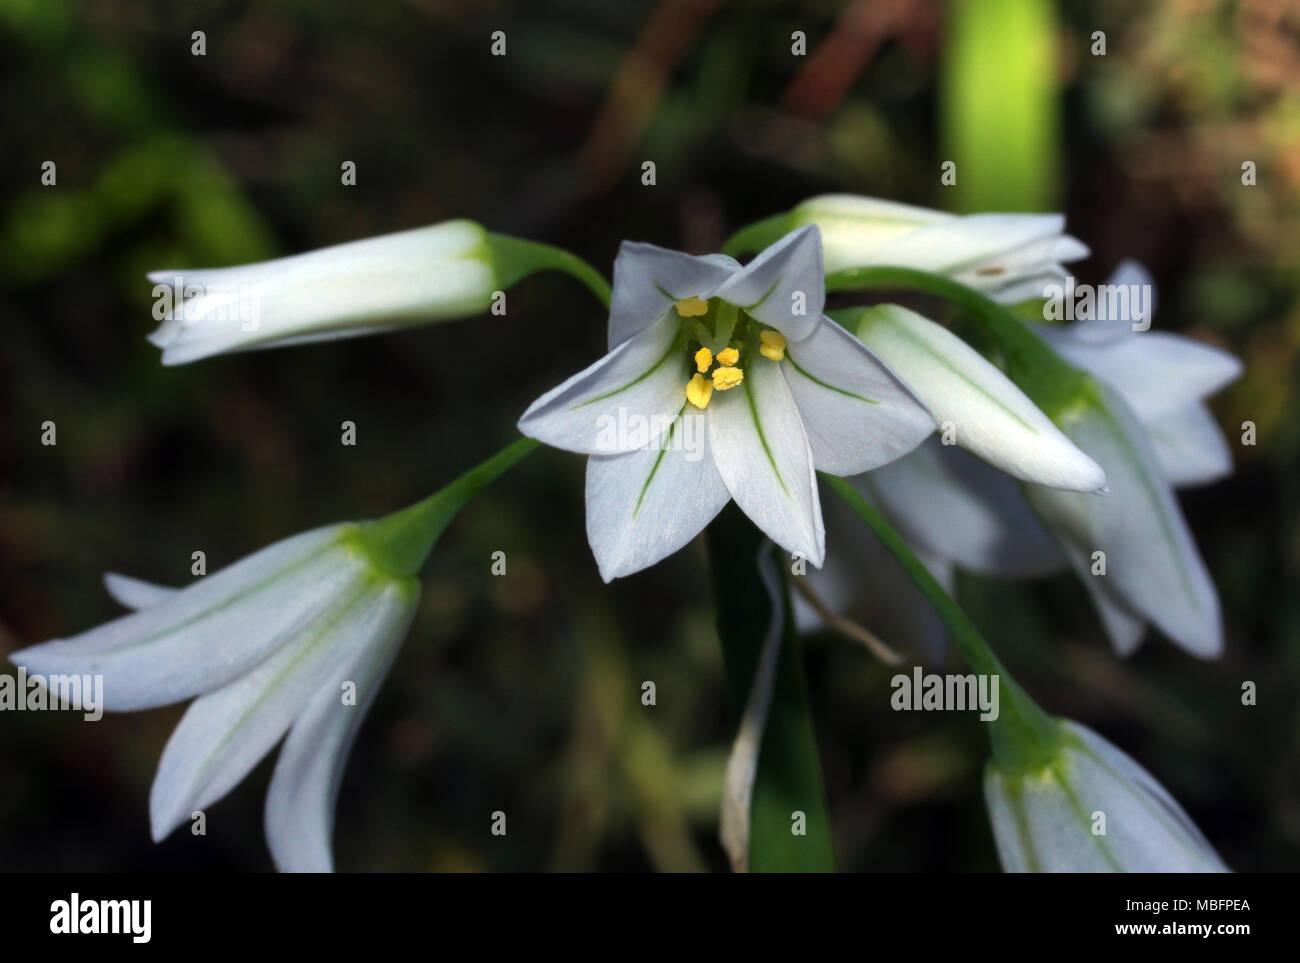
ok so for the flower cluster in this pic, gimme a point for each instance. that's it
(719, 382)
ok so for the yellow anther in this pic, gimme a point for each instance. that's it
(726, 378)
(772, 346)
(698, 391)
(728, 356)
(703, 358)
(692, 307)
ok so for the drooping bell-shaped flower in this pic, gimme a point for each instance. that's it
(1153, 434)
(722, 382)
(434, 273)
(294, 639)
(1165, 378)
(1148, 426)
(1091, 809)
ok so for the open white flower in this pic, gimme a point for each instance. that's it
(721, 382)
(363, 287)
(1008, 256)
(295, 639)
(1092, 810)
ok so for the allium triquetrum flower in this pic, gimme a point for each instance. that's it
(1149, 428)
(1010, 257)
(721, 382)
(295, 639)
(363, 287)
(960, 513)
(1091, 809)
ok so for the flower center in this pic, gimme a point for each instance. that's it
(717, 325)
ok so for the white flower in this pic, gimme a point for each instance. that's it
(975, 405)
(1150, 430)
(295, 639)
(721, 382)
(1011, 257)
(1164, 378)
(960, 513)
(363, 287)
(1092, 810)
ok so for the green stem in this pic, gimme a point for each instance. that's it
(401, 542)
(1023, 735)
(1051, 382)
(515, 259)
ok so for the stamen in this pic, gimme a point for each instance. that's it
(698, 391)
(724, 379)
(728, 357)
(692, 307)
(772, 346)
(703, 358)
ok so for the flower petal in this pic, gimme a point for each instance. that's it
(1015, 848)
(623, 402)
(304, 789)
(990, 415)
(1124, 627)
(854, 227)
(1190, 446)
(1154, 371)
(1125, 306)
(1149, 831)
(225, 733)
(991, 245)
(763, 456)
(644, 505)
(783, 286)
(210, 632)
(950, 505)
(648, 279)
(1152, 564)
(858, 416)
(134, 593)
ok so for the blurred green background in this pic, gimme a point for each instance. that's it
(523, 693)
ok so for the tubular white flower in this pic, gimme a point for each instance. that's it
(1011, 257)
(787, 393)
(363, 287)
(267, 645)
(1092, 810)
(987, 413)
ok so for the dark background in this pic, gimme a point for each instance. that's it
(522, 693)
